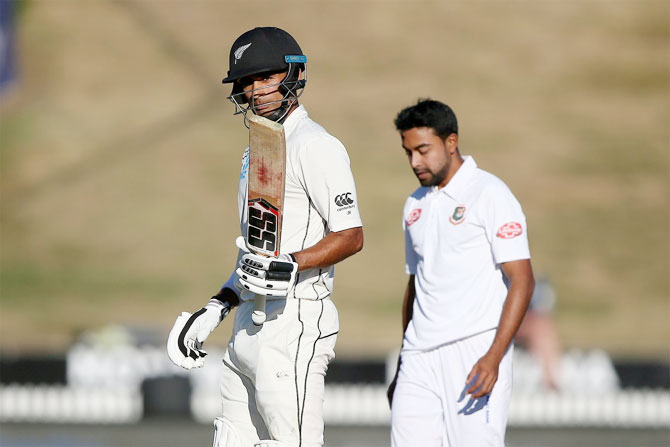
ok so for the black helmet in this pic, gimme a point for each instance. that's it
(260, 50)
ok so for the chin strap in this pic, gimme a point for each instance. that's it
(291, 87)
(280, 115)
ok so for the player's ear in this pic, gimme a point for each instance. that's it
(452, 143)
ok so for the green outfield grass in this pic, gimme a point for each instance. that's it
(120, 156)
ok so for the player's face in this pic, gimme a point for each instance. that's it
(429, 154)
(262, 91)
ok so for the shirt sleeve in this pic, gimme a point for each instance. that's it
(231, 282)
(330, 183)
(505, 224)
(411, 258)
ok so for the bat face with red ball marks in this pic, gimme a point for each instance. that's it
(267, 166)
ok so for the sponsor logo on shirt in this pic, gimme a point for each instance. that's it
(413, 216)
(344, 201)
(457, 217)
(245, 165)
(510, 230)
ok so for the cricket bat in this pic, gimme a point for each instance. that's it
(265, 198)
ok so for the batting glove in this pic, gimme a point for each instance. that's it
(267, 276)
(184, 344)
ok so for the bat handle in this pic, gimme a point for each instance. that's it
(258, 317)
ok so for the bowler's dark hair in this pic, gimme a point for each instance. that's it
(428, 113)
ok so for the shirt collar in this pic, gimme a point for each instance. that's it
(460, 180)
(292, 120)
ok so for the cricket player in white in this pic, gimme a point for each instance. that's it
(272, 380)
(466, 251)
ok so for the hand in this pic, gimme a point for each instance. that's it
(267, 276)
(483, 377)
(184, 345)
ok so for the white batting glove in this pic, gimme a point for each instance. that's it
(267, 276)
(184, 344)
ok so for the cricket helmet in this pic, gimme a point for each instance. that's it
(263, 50)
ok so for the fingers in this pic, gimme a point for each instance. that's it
(282, 266)
(195, 357)
(485, 389)
(266, 276)
(264, 283)
(273, 275)
(255, 265)
(481, 382)
(255, 277)
(252, 271)
(474, 383)
(278, 276)
(472, 375)
(241, 244)
(277, 289)
(190, 363)
(184, 344)
(256, 261)
(175, 340)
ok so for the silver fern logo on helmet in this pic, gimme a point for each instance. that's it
(240, 51)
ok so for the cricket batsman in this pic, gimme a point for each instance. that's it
(272, 377)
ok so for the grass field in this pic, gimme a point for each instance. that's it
(179, 432)
(120, 155)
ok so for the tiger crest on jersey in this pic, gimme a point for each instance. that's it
(458, 216)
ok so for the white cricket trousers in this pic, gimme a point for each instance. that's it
(430, 407)
(272, 380)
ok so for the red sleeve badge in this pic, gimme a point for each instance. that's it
(510, 230)
(413, 216)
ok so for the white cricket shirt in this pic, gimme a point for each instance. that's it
(320, 197)
(455, 240)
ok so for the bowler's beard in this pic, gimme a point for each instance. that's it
(435, 178)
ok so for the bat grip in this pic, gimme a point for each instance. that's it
(258, 316)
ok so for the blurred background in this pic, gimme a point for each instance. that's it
(119, 161)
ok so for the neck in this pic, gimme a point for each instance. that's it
(291, 109)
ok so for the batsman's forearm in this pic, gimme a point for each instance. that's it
(330, 250)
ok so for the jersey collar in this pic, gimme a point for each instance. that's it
(293, 119)
(460, 180)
